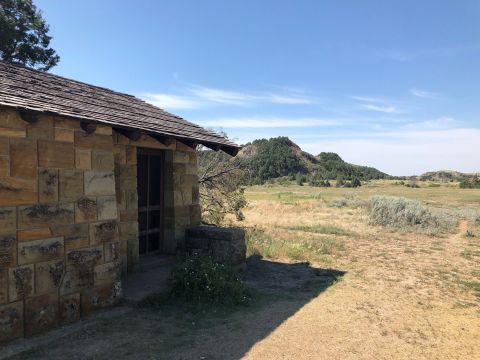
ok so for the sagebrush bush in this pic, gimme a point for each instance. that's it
(201, 280)
(408, 214)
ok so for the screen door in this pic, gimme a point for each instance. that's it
(150, 185)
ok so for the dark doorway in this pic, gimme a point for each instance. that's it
(150, 185)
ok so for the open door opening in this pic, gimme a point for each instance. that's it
(151, 203)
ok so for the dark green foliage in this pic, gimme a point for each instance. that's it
(300, 179)
(24, 35)
(264, 160)
(316, 179)
(273, 158)
(201, 280)
(356, 183)
(473, 183)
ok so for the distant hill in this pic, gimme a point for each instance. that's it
(276, 157)
(446, 176)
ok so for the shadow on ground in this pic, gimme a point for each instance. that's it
(174, 332)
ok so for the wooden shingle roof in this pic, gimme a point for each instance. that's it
(36, 91)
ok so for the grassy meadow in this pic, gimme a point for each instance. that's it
(409, 290)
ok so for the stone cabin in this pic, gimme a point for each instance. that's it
(91, 180)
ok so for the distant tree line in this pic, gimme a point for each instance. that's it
(473, 183)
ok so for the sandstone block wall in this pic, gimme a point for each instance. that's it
(68, 218)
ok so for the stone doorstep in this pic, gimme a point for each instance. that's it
(150, 278)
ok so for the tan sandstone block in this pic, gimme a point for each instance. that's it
(12, 132)
(20, 282)
(86, 209)
(4, 166)
(41, 129)
(48, 185)
(11, 321)
(99, 183)
(107, 273)
(93, 141)
(77, 279)
(8, 251)
(56, 154)
(119, 154)
(101, 296)
(103, 130)
(14, 191)
(3, 286)
(48, 275)
(102, 160)
(81, 258)
(75, 236)
(105, 231)
(131, 155)
(41, 314)
(83, 159)
(112, 251)
(23, 158)
(65, 135)
(70, 185)
(128, 215)
(8, 220)
(33, 234)
(69, 308)
(128, 230)
(64, 123)
(4, 146)
(107, 207)
(11, 119)
(39, 215)
(40, 250)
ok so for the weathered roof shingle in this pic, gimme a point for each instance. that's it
(34, 90)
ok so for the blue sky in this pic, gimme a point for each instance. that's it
(390, 84)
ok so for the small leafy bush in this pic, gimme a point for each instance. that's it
(201, 280)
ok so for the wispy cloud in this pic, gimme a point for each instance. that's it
(379, 108)
(367, 99)
(269, 122)
(248, 98)
(443, 122)
(169, 101)
(422, 93)
(196, 96)
(221, 96)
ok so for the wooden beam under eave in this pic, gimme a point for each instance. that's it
(214, 147)
(28, 116)
(133, 135)
(164, 140)
(88, 127)
(189, 143)
(232, 151)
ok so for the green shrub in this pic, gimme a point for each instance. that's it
(201, 280)
(349, 200)
(408, 214)
(314, 249)
(473, 183)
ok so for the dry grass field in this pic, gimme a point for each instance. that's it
(405, 295)
(330, 286)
